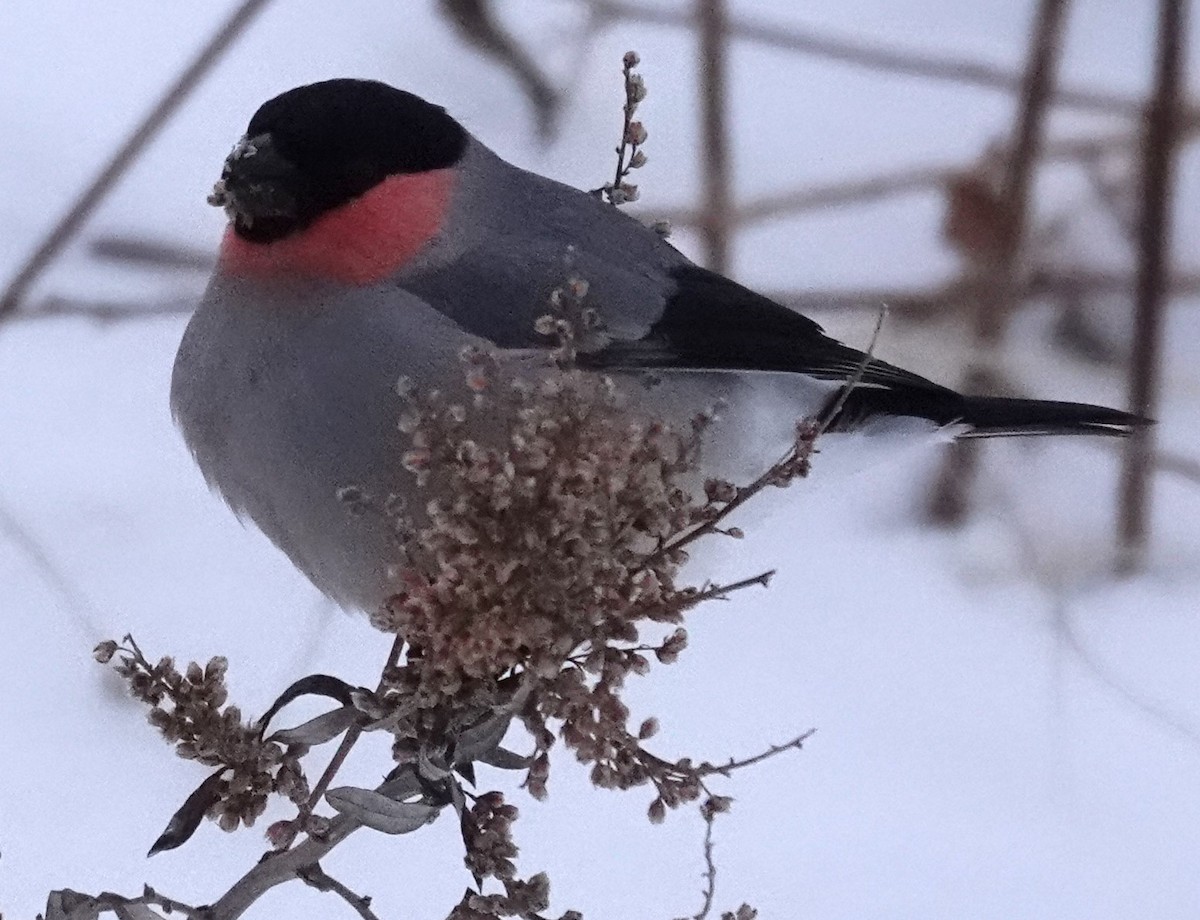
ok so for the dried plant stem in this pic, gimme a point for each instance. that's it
(831, 412)
(800, 452)
(1154, 223)
(353, 733)
(761, 580)
(727, 769)
(627, 147)
(278, 868)
(125, 156)
(710, 867)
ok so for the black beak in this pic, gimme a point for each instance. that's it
(257, 184)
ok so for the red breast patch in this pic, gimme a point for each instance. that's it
(359, 243)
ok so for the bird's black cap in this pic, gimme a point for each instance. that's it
(316, 147)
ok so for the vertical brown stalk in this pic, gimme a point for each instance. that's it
(126, 155)
(999, 287)
(1163, 119)
(715, 209)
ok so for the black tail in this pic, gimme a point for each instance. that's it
(987, 416)
(998, 416)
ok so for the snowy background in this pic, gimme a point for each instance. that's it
(1004, 730)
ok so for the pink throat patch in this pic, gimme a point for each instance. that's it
(361, 242)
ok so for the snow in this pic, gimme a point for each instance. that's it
(1004, 729)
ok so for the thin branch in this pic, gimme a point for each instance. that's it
(108, 900)
(126, 155)
(477, 24)
(278, 868)
(633, 135)
(140, 251)
(1154, 233)
(871, 56)
(1064, 630)
(170, 905)
(318, 878)
(728, 768)
(353, 733)
(762, 580)
(833, 410)
(74, 599)
(104, 311)
(808, 432)
(710, 866)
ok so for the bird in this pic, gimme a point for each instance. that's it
(371, 237)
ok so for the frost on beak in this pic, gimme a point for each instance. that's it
(249, 187)
(220, 197)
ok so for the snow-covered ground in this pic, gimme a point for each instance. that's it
(1004, 730)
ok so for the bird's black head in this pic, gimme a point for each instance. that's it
(316, 147)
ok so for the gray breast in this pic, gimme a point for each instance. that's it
(286, 397)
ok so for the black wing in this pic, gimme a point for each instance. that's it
(712, 323)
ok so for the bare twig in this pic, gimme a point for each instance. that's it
(1154, 223)
(278, 868)
(125, 156)
(353, 733)
(476, 23)
(732, 765)
(831, 412)
(762, 580)
(633, 135)
(105, 311)
(170, 905)
(110, 901)
(318, 878)
(716, 804)
(74, 599)
(141, 251)
(1064, 629)
(948, 502)
(879, 57)
(710, 866)
(797, 456)
(714, 130)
